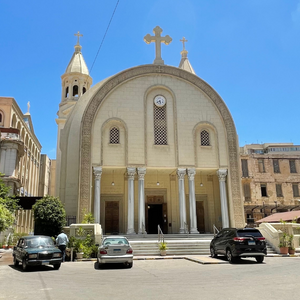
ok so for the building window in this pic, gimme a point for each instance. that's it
(247, 192)
(295, 190)
(114, 136)
(245, 168)
(204, 135)
(67, 92)
(261, 166)
(279, 190)
(263, 188)
(160, 125)
(293, 166)
(75, 90)
(83, 90)
(276, 166)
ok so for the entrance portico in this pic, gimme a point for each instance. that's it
(176, 199)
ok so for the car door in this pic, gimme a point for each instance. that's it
(223, 241)
(218, 241)
(19, 249)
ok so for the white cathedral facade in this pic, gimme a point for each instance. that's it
(152, 145)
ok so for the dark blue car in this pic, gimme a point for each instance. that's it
(36, 251)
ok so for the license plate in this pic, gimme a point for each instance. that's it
(251, 243)
(116, 250)
(45, 262)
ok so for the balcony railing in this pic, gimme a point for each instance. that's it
(10, 134)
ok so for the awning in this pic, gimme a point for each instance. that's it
(284, 216)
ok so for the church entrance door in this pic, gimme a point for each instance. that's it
(200, 216)
(111, 217)
(156, 214)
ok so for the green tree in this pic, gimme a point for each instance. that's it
(11, 203)
(6, 218)
(49, 216)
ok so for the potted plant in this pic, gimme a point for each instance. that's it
(283, 240)
(291, 249)
(79, 249)
(163, 248)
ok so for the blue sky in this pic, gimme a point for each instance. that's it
(248, 51)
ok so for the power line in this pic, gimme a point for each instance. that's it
(104, 35)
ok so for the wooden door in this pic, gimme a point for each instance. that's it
(200, 216)
(112, 217)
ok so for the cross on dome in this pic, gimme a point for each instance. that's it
(78, 36)
(157, 39)
(183, 41)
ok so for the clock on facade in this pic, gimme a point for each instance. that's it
(159, 101)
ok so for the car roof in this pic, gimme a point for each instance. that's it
(246, 229)
(115, 237)
(35, 236)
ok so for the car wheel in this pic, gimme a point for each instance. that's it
(213, 252)
(24, 265)
(259, 259)
(56, 266)
(229, 256)
(129, 265)
(16, 262)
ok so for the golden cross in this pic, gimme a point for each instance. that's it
(78, 36)
(183, 41)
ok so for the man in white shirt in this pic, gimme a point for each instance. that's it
(62, 241)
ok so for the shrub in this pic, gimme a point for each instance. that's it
(49, 216)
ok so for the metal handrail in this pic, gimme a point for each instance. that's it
(160, 234)
(186, 227)
(216, 230)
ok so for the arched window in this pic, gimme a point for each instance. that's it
(83, 90)
(160, 125)
(75, 90)
(114, 136)
(67, 92)
(204, 136)
(1, 118)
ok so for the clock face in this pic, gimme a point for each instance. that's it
(159, 101)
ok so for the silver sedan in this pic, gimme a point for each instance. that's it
(115, 249)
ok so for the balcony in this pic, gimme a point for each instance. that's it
(10, 134)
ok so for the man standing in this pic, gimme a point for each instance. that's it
(62, 241)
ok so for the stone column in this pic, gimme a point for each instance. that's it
(182, 209)
(222, 173)
(130, 226)
(141, 174)
(97, 173)
(192, 199)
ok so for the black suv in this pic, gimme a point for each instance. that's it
(235, 243)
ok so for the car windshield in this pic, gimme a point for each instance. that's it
(36, 242)
(115, 241)
(245, 233)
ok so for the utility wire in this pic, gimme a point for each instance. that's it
(104, 35)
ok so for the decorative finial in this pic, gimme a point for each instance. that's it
(158, 39)
(183, 41)
(28, 107)
(78, 36)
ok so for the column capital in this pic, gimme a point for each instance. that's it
(181, 173)
(97, 172)
(222, 173)
(191, 173)
(130, 173)
(141, 173)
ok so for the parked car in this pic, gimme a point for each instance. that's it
(237, 243)
(115, 249)
(35, 251)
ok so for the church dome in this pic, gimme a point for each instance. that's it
(77, 63)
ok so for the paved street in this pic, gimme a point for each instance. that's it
(277, 278)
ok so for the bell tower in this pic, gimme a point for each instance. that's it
(75, 82)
